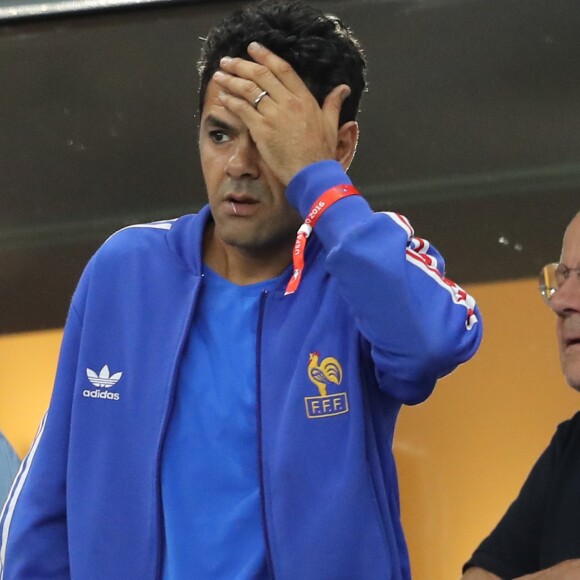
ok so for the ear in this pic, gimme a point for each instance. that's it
(346, 142)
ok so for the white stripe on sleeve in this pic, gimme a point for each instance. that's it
(18, 484)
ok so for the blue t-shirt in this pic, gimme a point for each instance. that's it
(210, 480)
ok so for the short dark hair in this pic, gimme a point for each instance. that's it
(320, 48)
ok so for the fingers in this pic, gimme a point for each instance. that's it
(333, 103)
(241, 96)
(247, 80)
(279, 68)
(266, 72)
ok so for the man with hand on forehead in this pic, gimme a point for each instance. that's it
(230, 381)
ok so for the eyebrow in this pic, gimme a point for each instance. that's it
(218, 123)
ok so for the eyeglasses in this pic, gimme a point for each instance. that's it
(551, 278)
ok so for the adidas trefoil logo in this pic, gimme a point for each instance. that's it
(103, 380)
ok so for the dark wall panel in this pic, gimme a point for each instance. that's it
(471, 127)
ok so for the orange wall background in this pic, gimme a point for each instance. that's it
(462, 455)
(27, 369)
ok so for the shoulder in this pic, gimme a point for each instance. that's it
(179, 237)
(133, 237)
(565, 444)
(148, 240)
(7, 453)
(568, 433)
(131, 254)
(142, 255)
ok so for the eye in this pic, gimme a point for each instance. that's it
(219, 136)
(562, 273)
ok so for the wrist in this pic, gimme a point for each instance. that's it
(319, 207)
(312, 181)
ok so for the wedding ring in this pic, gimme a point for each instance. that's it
(259, 98)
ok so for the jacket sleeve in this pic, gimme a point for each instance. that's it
(420, 325)
(33, 523)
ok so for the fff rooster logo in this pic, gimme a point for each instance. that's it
(324, 374)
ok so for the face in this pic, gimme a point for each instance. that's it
(250, 210)
(566, 304)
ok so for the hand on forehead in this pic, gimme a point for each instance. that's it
(289, 127)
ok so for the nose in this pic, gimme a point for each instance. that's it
(244, 161)
(567, 298)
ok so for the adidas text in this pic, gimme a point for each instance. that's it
(96, 394)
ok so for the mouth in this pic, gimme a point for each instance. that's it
(570, 334)
(240, 204)
(240, 198)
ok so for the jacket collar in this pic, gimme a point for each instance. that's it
(185, 240)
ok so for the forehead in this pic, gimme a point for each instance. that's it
(571, 244)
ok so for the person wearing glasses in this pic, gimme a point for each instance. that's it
(539, 536)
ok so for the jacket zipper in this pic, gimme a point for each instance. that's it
(168, 411)
(269, 559)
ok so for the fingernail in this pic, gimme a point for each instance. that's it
(225, 60)
(255, 46)
(219, 75)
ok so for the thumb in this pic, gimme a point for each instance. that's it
(333, 103)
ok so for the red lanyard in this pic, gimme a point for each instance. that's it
(327, 199)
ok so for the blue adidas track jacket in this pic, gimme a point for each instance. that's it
(373, 311)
